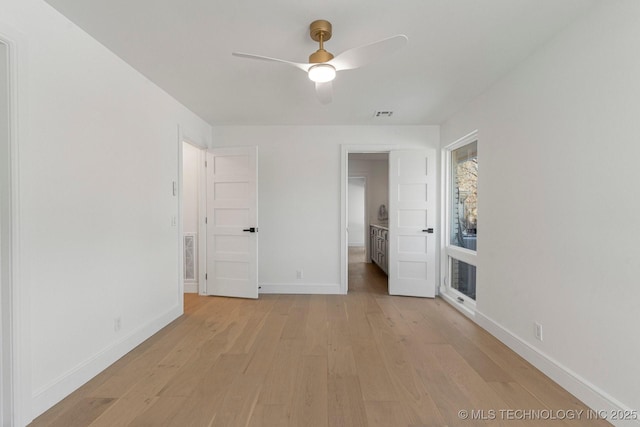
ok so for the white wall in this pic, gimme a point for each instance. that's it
(98, 155)
(558, 201)
(377, 172)
(190, 158)
(355, 209)
(299, 195)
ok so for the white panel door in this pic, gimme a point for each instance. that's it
(232, 222)
(412, 216)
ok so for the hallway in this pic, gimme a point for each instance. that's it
(364, 359)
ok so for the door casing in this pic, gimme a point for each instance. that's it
(14, 304)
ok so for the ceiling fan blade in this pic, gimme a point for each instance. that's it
(363, 55)
(303, 67)
(324, 91)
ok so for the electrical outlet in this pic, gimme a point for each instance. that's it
(538, 331)
(117, 324)
(299, 274)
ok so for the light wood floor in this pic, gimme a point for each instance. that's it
(365, 359)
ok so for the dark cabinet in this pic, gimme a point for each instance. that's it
(379, 246)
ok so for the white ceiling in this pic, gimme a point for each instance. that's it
(456, 49)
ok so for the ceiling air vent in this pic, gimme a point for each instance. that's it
(383, 113)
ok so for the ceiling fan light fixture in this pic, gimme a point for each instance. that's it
(322, 73)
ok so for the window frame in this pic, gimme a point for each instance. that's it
(451, 251)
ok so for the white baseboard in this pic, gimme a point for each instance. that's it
(592, 396)
(47, 396)
(300, 288)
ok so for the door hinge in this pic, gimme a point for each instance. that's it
(205, 276)
(205, 220)
(205, 163)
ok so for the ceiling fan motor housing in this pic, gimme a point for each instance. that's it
(319, 56)
(320, 31)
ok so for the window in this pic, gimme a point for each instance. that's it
(462, 219)
(463, 278)
(464, 196)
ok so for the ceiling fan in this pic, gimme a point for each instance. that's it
(322, 66)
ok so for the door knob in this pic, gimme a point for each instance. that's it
(251, 229)
(428, 230)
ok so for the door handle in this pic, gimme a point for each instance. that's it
(428, 230)
(251, 229)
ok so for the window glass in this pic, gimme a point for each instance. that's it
(464, 196)
(463, 278)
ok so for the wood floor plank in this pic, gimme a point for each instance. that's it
(394, 318)
(186, 378)
(124, 411)
(239, 402)
(83, 413)
(340, 357)
(296, 325)
(214, 381)
(374, 377)
(250, 328)
(196, 411)
(269, 416)
(346, 406)
(393, 356)
(418, 404)
(472, 386)
(265, 347)
(357, 321)
(421, 327)
(309, 407)
(160, 413)
(316, 334)
(447, 396)
(279, 384)
(386, 414)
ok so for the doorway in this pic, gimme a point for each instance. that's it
(218, 246)
(408, 250)
(367, 228)
(191, 192)
(192, 162)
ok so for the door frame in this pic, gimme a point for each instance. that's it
(347, 149)
(184, 136)
(14, 304)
